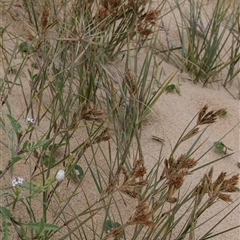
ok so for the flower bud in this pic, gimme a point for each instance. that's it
(60, 175)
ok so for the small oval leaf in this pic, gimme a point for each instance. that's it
(79, 171)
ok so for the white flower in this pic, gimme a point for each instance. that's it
(16, 181)
(77, 172)
(31, 120)
(60, 175)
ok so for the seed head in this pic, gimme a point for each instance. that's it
(205, 117)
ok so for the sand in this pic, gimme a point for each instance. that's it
(168, 118)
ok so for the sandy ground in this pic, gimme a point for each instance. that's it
(169, 117)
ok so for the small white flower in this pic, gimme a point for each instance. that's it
(16, 181)
(31, 120)
(77, 172)
(60, 175)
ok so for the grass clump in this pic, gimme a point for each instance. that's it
(84, 95)
(209, 41)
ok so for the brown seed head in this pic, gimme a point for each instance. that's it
(44, 18)
(103, 13)
(140, 172)
(129, 192)
(190, 134)
(220, 178)
(205, 117)
(142, 29)
(130, 81)
(225, 197)
(111, 4)
(115, 232)
(232, 181)
(142, 214)
(230, 185)
(189, 163)
(176, 181)
(152, 16)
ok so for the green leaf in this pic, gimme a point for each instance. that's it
(219, 146)
(32, 146)
(24, 47)
(14, 123)
(26, 145)
(238, 164)
(28, 185)
(5, 194)
(15, 159)
(48, 161)
(109, 225)
(6, 213)
(42, 227)
(1, 31)
(79, 171)
(170, 88)
(6, 230)
(40, 144)
(55, 147)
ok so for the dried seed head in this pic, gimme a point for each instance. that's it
(49, 26)
(111, 4)
(130, 193)
(125, 173)
(176, 181)
(143, 29)
(175, 171)
(130, 81)
(190, 134)
(140, 172)
(180, 160)
(232, 181)
(103, 136)
(44, 18)
(103, 13)
(210, 174)
(152, 16)
(134, 4)
(189, 163)
(115, 232)
(130, 185)
(225, 197)
(221, 111)
(91, 113)
(230, 188)
(205, 117)
(220, 178)
(142, 214)
(203, 111)
(217, 188)
(112, 185)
